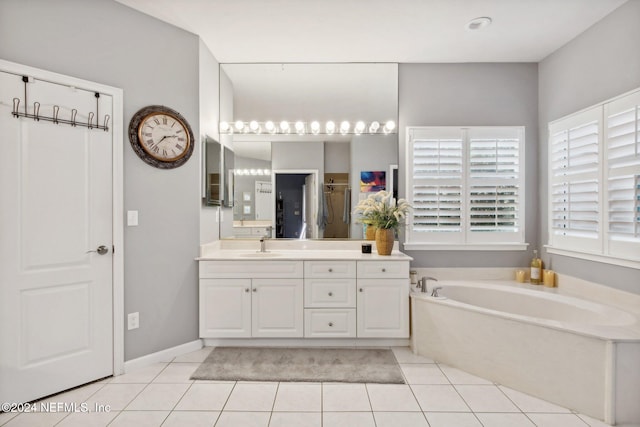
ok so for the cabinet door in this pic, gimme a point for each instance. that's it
(383, 308)
(225, 308)
(277, 308)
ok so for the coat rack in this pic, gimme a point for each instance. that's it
(56, 109)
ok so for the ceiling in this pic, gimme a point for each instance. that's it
(379, 30)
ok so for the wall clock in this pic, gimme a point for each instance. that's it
(161, 137)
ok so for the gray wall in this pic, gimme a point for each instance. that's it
(599, 64)
(336, 157)
(369, 153)
(247, 183)
(482, 95)
(106, 42)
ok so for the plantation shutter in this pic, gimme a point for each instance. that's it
(622, 144)
(494, 182)
(575, 192)
(436, 157)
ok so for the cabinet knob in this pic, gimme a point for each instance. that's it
(331, 270)
(384, 269)
(330, 323)
(330, 294)
(361, 290)
(255, 290)
(246, 289)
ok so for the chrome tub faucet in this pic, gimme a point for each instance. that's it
(423, 283)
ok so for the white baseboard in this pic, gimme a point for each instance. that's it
(306, 342)
(162, 356)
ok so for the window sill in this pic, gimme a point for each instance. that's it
(593, 257)
(465, 247)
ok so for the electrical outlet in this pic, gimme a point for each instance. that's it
(133, 321)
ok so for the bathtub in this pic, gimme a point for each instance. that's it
(577, 353)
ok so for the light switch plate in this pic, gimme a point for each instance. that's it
(132, 218)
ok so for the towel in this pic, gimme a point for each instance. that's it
(323, 211)
(346, 214)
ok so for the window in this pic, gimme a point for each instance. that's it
(466, 187)
(594, 202)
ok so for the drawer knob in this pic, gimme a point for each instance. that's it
(255, 289)
(331, 324)
(361, 290)
(330, 294)
(246, 289)
(331, 270)
(384, 269)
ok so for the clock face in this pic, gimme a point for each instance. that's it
(164, 137)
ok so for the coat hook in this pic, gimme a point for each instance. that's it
(36, 111)
(56, 110)
(89, 120)
(106, 122)
(73, 116)
(16, 105)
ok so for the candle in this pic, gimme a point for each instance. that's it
(520, 276)
(549, 278)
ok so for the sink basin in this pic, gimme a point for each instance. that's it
(259, 255)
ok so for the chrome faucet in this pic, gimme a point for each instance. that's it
(423, 283)
(434, 292)
(263, 244)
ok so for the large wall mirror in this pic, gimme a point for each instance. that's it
(300, 184)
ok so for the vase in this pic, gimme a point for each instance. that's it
(370, 233)
(384, 240)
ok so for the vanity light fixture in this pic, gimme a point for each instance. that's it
(302, 128)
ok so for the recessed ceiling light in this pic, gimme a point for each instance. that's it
(478, 23)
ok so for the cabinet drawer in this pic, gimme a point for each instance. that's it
(329, 293)
(251, 269)
(330, 269)
(382, 269)
(323, 323)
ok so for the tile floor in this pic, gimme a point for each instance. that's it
(435, 395)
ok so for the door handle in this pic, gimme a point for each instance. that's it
(101, 250)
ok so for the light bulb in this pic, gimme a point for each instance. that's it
(239, 125)
(359, 127)
(373, 127)
(224, 127)
(330, 127)
(254, 126)
(389, 126)
(267, 171)
(254, 172)
(344, 127)
(315, 127)
(300, 128)
(270, 126)
(284, 126)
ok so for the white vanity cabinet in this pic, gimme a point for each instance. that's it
(243, 299)
(383, 299)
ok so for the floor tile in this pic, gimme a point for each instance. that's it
(296, 419)
(197, 356)
(528, 403)
(6, 416)
(439, 398)
(191, 419)
(252, 397)
(243, 419)
(452, 419)
(348, 419)
(345, 397)
(88, 419)
(592, 422)
(457, 376)
(405, 355)
(117, 396)
(156, 397)
(486, 398)
(176, 373)
(36, 419)
(142, 375)
(504, 420)
(428, 373)
(139, 419)
(298, 398)
(556, 420)
(400, 419)
(205, 397)
(392, 397)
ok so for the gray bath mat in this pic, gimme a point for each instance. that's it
(300, 364)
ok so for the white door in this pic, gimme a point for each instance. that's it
(277, 308)
(225, 308)
(383, 308)
(310, 205)
(56, 298)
